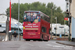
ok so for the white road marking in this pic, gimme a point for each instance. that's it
(68, 47)
(40, 46)
(61, 46)
(30, 44)
(58, 46)
(49, 45)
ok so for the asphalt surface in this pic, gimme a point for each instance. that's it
(2, 37)
(69, 43)
(33, 45)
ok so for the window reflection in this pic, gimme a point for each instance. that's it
(31, 17)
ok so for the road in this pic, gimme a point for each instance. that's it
(33, 45)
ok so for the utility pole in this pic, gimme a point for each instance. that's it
(69, 20)
(7, 27)
(68, 13)
(56, 27)
(51, 23)
(18, 18)
(64, 26)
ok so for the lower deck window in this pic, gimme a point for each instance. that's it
(43, 29)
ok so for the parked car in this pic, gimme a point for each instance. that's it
(2, 28)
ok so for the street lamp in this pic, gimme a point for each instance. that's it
(18, 17)
(56, 27)
(56, 19)
(51, 23)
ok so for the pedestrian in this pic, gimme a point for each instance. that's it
(15, 35)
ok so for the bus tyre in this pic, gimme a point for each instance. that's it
(34, 39)
(27, 39)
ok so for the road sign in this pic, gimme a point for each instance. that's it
(66, 19)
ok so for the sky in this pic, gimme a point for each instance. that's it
(4, 4)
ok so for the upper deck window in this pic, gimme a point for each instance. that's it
(45, 17)
(31, 16)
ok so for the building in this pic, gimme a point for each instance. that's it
(72, 11)
(3, 19)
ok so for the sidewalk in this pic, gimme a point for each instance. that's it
(13, 39)
(66, 43)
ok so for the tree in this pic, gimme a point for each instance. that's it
(56, 11)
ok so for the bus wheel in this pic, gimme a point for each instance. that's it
(39, 40)
(46, 40)
(34, 39)
(27, 39)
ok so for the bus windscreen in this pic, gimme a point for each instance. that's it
(31, 17)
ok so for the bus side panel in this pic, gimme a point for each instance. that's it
(46, 35)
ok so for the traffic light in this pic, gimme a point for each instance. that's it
(0, 25)
(67, 11)
(67, 6)
(70, 19)
(70, 1)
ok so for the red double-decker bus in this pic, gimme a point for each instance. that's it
(36, 25)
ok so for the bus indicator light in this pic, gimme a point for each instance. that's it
(23, 33)
(23, 27)
(38, 33)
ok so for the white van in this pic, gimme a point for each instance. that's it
(13, 28)
(61, 29)
(2, 28)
